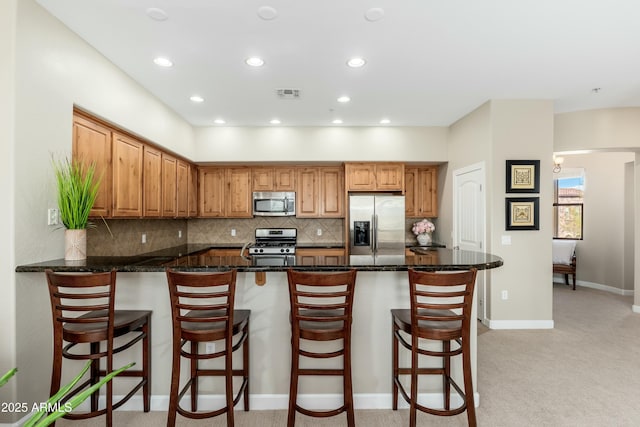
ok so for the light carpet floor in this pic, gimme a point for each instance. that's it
(585, 372)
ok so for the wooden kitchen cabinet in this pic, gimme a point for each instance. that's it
(331, 192)
(152, 179)
(273, 179)
(320, 256)
(320, 192)
(225, 192)
(182, 189)
(128, 156)
(374, 176)
(169, 189)
(421, 191)
(92, 144)
(192, 191)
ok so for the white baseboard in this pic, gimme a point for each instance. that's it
(521, 324)
(601, 287)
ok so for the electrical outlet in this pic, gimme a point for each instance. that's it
(179, 234)
(210, 347)
(505, 295)
(53, 216)
(319, 232)
(233, 232)
(144, 238)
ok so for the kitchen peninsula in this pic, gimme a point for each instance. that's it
(142, 284)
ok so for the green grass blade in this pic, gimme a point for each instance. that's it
(7, 376)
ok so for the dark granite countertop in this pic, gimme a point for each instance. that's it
(195, 257)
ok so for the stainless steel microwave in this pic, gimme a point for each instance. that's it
(274, 203)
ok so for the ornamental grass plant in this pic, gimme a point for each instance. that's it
(77, 191)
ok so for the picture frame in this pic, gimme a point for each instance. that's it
(522, 213)
(523, 176)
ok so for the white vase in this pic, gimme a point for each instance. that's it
(75, 245)
(424, 239)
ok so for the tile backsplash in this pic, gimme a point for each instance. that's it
(123, 237)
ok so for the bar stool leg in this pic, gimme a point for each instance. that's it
(175, 379)
(94, 373)
(394, 364)
(468, 384)
(245, 366)
(348, 383)
(194, 377)
(293, 389)
(229, 381)
(414, 386)
(146, 364)
(446, 378)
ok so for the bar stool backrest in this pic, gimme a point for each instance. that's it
(321, 297)
(439, 298)
(202, 298)
(83, 303)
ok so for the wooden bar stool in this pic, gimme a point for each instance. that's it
(82, 307)
(441, 311)
(321, 310)
(202, 311)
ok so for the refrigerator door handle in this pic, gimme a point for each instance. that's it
(374, 220)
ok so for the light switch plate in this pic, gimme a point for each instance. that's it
(53, 216)
(506, 240)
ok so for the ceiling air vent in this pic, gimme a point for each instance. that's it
(288, 93)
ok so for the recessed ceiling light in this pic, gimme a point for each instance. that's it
(157, 14)
(337, 122)
(254, 61)
(596, 90)
(356, 62)
(275, 122)
(344, 99)
(163, 62)
(219, 121)
(374, 14)
(385, 121)
(197, 98)
(267, 13)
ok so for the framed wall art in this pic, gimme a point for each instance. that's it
(522, 213)
(523, 176)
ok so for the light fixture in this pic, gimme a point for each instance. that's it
(254, 61)
(337, 122)
(163, 62)
(344, 99)
(385, 121)
(219, 121)
(356, 62)
(557, 164)
(275, 122)
(196, 98)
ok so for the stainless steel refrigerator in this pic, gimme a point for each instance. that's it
(376, 229)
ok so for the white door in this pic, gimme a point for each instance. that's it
(469, 221)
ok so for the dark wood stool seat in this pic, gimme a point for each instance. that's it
(440, 311)
(321, 310)
(202, 306)
(83, 312)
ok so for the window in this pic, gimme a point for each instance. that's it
(568, 198)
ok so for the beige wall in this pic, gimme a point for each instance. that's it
(7, 116)
(614, 128)
(318, 144)
(601, 253)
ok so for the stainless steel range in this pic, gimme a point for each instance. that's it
(274, 246)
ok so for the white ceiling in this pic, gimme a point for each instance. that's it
(429, 62)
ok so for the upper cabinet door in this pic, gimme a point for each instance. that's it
(262, 179)
(308, 193)
(92, 144)
(193, 191)
(238, 197)
(212, 183)
(152, 178)
(421, 191)
(389, 177)
(127, 176)
(182, 183)
(284, 179)
(169, 190)
(331, 192)
(360, 176)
